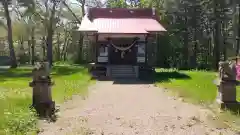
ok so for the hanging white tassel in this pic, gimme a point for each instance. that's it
(122, 54)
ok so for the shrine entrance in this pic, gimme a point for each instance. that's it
(123, 51)
(116, 58)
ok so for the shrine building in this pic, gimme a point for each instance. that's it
(122, 41)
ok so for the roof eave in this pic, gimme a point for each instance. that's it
(162, 29)
(82, 30)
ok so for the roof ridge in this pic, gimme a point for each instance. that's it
(121, 13)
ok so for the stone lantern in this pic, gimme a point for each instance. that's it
(42, 96)
(226, 84)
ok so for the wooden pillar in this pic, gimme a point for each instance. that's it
(135, 49)
(108, 67)
(108, 47)
(146, 42)
(96, 50)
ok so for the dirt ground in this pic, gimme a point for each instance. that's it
(113, 108)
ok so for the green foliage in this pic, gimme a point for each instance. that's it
(15, 95)
(20, 31)
(3, 25)
(3, 32)
(118, 3)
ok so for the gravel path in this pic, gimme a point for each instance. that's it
(131, 109)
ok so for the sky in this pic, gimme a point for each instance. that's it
(75, 1)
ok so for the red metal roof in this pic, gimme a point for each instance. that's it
(105, 25)
(131, 21)
(127, 25)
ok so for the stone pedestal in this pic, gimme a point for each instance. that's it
(227, 92)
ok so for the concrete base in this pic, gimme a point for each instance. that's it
(227, 91)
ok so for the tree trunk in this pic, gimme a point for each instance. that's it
(21, 50)
(65, 52)
(185, 54)
(58, 47)
(216, 46)
(80, 48)
(50, 35)
(83, 7)
(195, 49)
(80, 42)
(43, 44)
(10, 38)
(195, 46)
(21, 41)
(224, 42)
(64, 45)
(33, 46)
(29, 51)
(216, 50)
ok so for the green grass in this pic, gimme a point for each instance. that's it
(196, 86)
(15, 95)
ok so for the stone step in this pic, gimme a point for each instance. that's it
(127, 76)
(123, 68)
(118, 74)
(123, 71)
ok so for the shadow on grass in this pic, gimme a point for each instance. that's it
(167, 76)
(15, 73)
(25, 72)
(149, 78)
(66, 70)
(131, 81)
